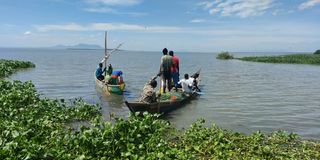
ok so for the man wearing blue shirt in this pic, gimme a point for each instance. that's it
(100, 71)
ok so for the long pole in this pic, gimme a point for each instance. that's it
(105, 50)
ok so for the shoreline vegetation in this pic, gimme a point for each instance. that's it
(313, 59)
(8, 67)
(39, 128)
(224, 56)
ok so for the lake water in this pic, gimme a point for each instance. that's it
(242, 96)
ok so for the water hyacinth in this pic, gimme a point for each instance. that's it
(7, 67)
(290, 59)
(224, 56)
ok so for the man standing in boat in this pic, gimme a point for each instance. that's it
(175, 69)
(165, 70)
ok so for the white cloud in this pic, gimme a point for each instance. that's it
(27, 33)
(110, 7)
(240, 8)
(112, 11)
(198, 21)
(99, 10)
(281, 12)
(115, 2)
(309, 4)
(206, 4)
(106, 26)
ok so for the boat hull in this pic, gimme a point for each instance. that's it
(162, 107)
(108, 89)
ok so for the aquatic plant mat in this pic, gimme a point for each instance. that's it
(7, 67)
(224, 56)
(290, 59)
(36, 128)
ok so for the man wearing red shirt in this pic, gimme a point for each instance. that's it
(175, 69)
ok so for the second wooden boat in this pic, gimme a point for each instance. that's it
(114, 84)
(108, 89)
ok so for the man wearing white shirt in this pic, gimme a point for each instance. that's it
(186, 83)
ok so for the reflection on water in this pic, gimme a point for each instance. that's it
(241, 96)
(112, 105)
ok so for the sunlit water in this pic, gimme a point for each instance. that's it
(242, 96)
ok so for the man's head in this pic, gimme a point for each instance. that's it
(153, 83)
(186, 76)
(171, 53)
(195, 76)
(100, 65)
(165, 51)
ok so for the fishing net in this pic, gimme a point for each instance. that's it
(173, 96)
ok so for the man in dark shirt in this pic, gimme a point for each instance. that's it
(165, 70)
(99, 72)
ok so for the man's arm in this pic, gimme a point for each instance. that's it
(161, 62)
(178, 65)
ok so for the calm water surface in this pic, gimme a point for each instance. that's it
(242, 96)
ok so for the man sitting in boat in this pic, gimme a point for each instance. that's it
(149, 94)
(187, 84)
(108, 73)
(100, 71)
(195, 83)
(116, 78)
(110, 70)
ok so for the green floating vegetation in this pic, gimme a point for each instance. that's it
(291, 59)
(317, 51)
(224, 56)
(7, 67)
(39, 128)
(35, 128)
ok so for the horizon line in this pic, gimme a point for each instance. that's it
(52, 47)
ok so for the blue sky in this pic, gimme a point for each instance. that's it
(183, 25)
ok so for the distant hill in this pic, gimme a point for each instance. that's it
(78, 46)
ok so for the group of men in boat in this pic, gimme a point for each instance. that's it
(108, 75)
(169, 72)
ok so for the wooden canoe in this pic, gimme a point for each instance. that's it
(110, 89)
(164, 106)
(161, 107)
